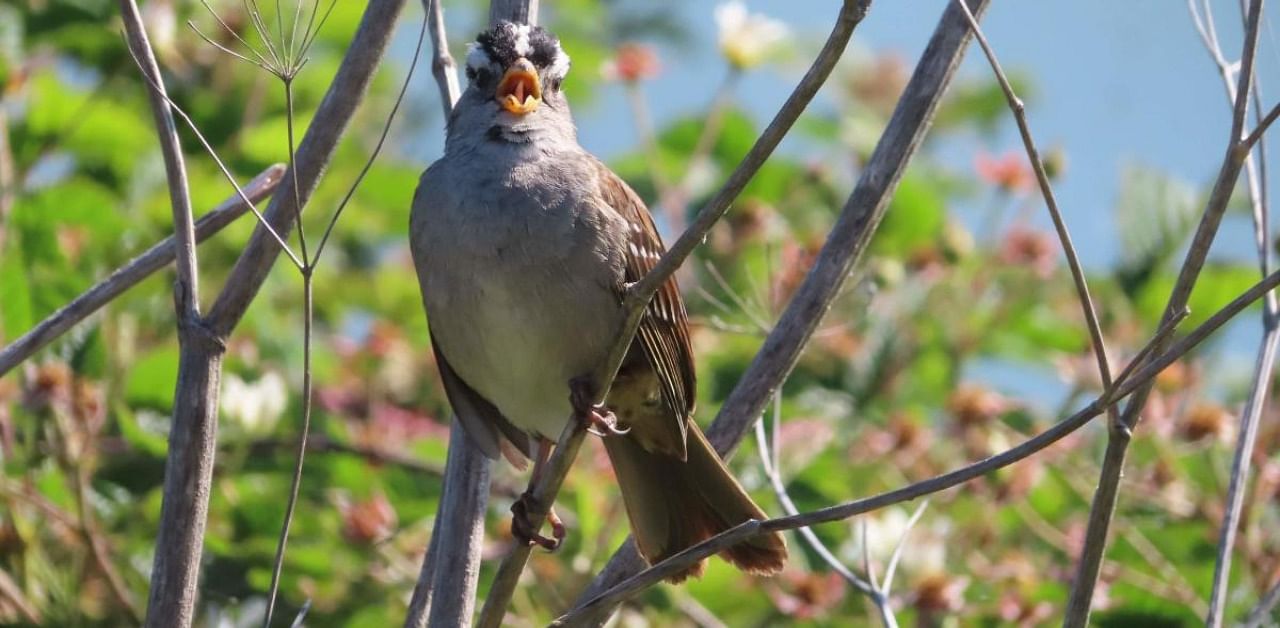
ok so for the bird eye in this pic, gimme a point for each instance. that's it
(479, 75)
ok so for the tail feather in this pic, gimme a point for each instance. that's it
(674, 504)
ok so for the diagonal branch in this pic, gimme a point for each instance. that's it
(1121, 432)
(639, 294)
(1051, 202)
(133, 273)
(845, 245)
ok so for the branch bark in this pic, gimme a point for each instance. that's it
(518, 11)
(176, 570)
(849, 237)
(131, 274)
(1121, 432)
(446, 590)
(189, 467)
(447, 597)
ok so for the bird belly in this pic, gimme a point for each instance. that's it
(518, 329)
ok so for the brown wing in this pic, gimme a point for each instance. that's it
(664, 330)
(482, 420)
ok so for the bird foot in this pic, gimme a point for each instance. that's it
(526, 531)
(599, 420)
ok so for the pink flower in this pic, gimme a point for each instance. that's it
(632, 62)
(1010, 172)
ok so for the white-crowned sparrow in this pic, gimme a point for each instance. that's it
(523, 244)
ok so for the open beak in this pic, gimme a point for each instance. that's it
(520, 90)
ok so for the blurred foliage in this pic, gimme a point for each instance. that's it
(959, 336)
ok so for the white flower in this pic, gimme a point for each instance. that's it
(747, 38)
(254, 408)
(925, 549)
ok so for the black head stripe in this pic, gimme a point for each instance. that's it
(543, 47)
(499, 43)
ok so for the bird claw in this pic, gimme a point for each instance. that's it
(525, 531)
(603, 422)
(598, 419)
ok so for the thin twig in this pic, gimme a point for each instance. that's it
(1260, 385)
(774, 473)
(1260, 612)
(849, 237)
(1262, 127)
(1104, 502)
(132, 273)
(277, 564)
(314, 152)
(226, 172)
(308, 279)
(902, 542)
(1051, 202)
(639, 295)
(377, 148)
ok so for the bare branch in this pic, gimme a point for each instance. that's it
(1104, 502)
(1262, 127)
(1264, 364)
(173, 594)
(446, 590)
(1051, 202)
(847, 242)
(189, 467)
(1260, 612)
(774, 473)
(457, 535)
(518, 11)
(187, 291)
(132, 273)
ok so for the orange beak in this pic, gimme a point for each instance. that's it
(520, 90)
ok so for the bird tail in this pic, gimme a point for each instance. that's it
(674, 504)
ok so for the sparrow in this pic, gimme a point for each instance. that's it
(524, 244)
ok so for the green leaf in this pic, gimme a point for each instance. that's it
(152, 379)
(915, 218)
(150, 441)
(16, 315)
(1218, 285)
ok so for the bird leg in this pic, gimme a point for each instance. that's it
(599, 420)
(523, 528)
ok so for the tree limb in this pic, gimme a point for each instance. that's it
(189, 467)
(447, 597)
(1121, 432)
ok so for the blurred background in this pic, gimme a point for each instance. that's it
(958, 336)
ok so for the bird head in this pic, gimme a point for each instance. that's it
(520, 67)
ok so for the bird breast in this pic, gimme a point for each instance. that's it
(520, 283)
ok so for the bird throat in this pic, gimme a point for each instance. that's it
(509, 134)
